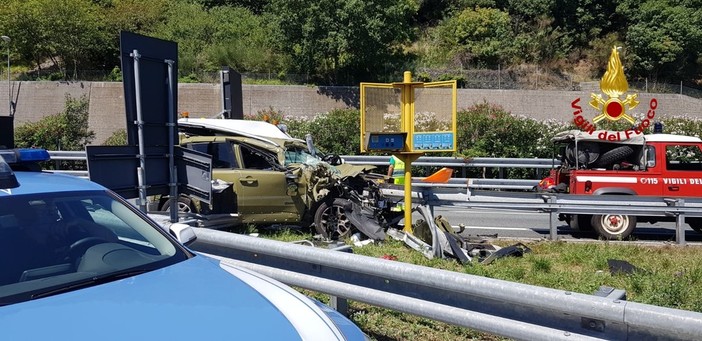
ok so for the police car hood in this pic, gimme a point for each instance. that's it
(193, 299)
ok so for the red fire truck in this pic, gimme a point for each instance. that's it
(617, 163)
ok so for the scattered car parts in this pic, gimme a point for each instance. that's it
(435, 238)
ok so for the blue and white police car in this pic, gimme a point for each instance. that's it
(78, 262)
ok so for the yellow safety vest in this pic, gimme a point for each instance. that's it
(398, 170)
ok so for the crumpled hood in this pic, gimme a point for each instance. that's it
(347, 169)
(194, 299)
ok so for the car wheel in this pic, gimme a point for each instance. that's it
(184, 204)
(330, 219)
(613, 226)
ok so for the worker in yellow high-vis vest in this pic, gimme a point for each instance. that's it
(397, 170)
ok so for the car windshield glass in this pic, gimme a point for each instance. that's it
(299, 155)
(50, 241)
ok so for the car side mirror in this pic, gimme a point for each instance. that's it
(184, 233)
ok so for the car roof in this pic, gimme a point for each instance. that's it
(579, 135)
(671, 138)
(572, 135)
(47, 182)
(254, 129)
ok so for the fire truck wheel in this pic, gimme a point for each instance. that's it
(580, 222)
(695, 224)
(614, 226)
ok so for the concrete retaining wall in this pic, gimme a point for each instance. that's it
(38, 99)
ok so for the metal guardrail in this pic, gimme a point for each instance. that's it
(556, 204)
(424, 161)
(461, 191)
(455, 162)
(514, 310)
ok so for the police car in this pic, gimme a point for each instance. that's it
(78, 262)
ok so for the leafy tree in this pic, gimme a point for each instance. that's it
(209, 38)
(343, 40)
(244, 44)
(537, 38)
(665, 39)
(586, 20)
(255, 6)
(67, 130)
(69, 33)
(136, 16)
(480, 37)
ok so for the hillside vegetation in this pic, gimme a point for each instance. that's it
(343, 42)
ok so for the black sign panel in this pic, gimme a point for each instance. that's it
(115, 167)
(232, 96)
(7, 132)
(154, 86)
(194, 173)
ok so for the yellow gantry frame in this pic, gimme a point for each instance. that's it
(408, 155)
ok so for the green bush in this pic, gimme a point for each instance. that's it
(487, 130)
(67, 130)
(118, 138)
(337, 132)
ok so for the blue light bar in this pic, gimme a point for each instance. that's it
(33, 155)
(19, 155)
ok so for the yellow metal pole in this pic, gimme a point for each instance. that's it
(407, 102)
(408, 194)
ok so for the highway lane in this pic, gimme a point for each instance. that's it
(533, 225)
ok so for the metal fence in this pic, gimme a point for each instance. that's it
(514, 310)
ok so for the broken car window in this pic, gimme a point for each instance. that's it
(222, 153)
(254, 159)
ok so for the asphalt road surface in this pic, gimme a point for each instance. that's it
(532, 225)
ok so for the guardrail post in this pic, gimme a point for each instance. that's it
(339, 304)
(680, 222)
(552, 217)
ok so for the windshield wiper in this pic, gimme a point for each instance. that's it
(92, 281)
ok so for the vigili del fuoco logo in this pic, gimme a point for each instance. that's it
(611, 106)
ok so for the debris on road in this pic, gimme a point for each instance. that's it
(435, 238)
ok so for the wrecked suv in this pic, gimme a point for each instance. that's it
(276, 179)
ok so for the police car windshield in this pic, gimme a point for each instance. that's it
(52, 240)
